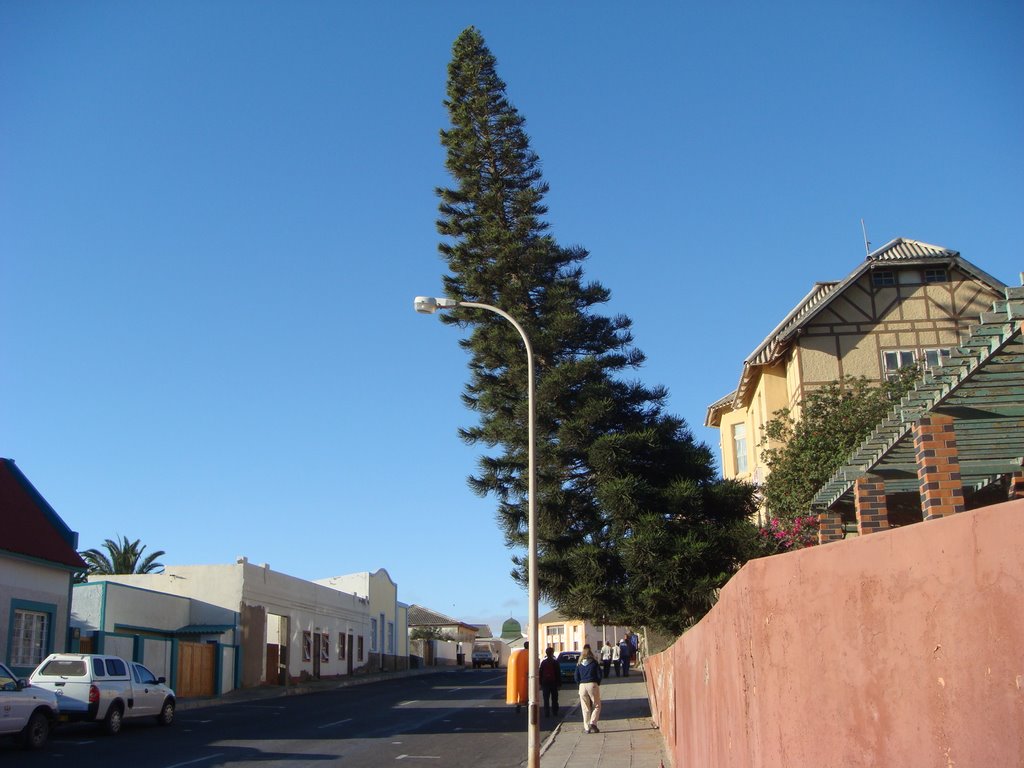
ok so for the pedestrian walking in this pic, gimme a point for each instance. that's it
(588, 677)
(616, 661)
(550, 681)
(606, 660)
(625, 653)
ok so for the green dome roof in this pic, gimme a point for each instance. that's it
(511, 630)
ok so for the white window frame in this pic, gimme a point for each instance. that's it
(899, 357)
(739, 447)
(30, 637)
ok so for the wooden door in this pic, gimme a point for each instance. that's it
(273, 665)
(197, 670)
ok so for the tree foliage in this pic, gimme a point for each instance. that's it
(633, 527)
(801, 455)
(122, 556)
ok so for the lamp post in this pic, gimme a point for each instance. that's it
(428, 305)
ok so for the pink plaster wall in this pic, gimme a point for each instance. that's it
(902, 648)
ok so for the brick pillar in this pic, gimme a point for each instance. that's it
(938, 467)
(1016, 489)
(830, 526)
(869, 501)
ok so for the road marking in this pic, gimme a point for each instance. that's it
(404, 703)
(197, 760)
(418, 757)
(336, 722)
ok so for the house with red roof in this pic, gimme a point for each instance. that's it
(38, 562)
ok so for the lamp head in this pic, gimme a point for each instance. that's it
(428, 305)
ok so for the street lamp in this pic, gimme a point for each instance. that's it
(428, 305)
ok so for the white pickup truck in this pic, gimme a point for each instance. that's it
(104, 689)
(484, 656)
(26, 711)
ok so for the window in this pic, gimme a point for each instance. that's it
(373, 635)
(739, 445)
(307, 646)
(30, 642)
(896, 359)
(143, 675)
(325, 648)
(341, 646)
(883, 277)
(936, 275)
(361, 648)
(7, 683)
(933, 358)
(391, 637)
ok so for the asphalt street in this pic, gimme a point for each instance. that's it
(456, 719)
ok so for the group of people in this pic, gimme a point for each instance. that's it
(587, 676)
(620, 655)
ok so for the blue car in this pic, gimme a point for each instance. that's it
(567, 661)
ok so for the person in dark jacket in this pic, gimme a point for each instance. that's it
(588, 677)
(625, 655)
(550, 681)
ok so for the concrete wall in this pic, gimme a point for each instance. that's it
(903, 648)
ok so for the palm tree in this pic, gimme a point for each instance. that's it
(124, 557)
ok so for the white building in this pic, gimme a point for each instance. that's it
(288, 628)
(389, 619)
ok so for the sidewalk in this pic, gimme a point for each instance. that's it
(628, 738)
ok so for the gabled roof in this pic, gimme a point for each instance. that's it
(424, 617)
(900, 251)
(29, 526)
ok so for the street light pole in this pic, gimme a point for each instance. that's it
(428, 305)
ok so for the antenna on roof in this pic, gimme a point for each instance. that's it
(867, 243)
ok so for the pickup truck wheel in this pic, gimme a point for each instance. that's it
(36, 732)
(166, 716)
(114, 720)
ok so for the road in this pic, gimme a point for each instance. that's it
(453, 719)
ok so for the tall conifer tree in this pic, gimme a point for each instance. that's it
(633, 528)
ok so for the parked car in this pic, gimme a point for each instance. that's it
(105, 689)
(26, 711)
(567, 661)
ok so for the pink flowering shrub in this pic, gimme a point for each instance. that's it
(791, 533)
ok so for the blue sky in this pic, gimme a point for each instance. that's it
(214, 217)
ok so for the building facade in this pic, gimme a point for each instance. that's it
(389, 618)
(908, 303)
(557, 631)
(38, 563)
(288, 629)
